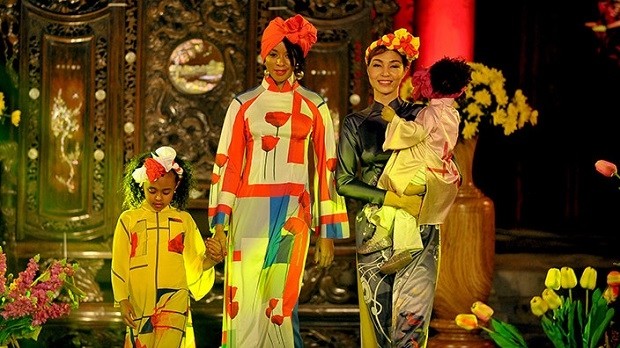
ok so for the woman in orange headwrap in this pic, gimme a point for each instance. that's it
(260, 193)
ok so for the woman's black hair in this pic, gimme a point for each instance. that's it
(296, 55)
(134, 192)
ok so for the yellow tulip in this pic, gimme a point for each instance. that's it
(482, 310)
(568, 278)
(552, 281)
(466, 321)
(16, 116)
(551, 297)
(538, 306)
(613, 278)
(588, 278)
(610, 294)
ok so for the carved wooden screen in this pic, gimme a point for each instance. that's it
(194, 60)
(71, 154)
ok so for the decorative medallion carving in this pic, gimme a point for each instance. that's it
(191, 122)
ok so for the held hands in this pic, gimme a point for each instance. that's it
(216, 245)
(324, 252)
(410, 204)
(128, 314)
(388, 113)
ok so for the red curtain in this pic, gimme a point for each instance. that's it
(445, 27)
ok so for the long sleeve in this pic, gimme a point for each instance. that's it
(401, 134)
(229, 162)
(199, 281)
(330, 218)
(350, 152)
(121, 251)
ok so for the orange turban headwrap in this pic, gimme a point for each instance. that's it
(296, 29)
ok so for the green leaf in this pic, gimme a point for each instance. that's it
(600, 328)
(504, 342)
(553, 332)
(508, 330)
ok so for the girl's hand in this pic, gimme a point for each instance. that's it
(387, 113)
(410, 204)
(127, 314)
(324, 252)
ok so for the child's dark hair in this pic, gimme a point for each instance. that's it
(134, 192)
(449, 75)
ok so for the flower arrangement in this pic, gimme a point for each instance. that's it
(486, 98)
(30, 300)
(15, 115)
(567, 322)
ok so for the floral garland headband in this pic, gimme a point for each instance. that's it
(400, 41)
(161, 162)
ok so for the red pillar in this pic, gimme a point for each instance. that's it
(404, 17)
(445, 28)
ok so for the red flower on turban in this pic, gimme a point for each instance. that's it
(296, 29)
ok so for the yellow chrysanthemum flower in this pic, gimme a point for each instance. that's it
(486, 97)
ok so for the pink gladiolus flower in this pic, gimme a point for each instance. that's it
(606, 168)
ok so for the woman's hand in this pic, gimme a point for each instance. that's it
(324, 252)
(128, 314)
(216, 245)
(410, 204)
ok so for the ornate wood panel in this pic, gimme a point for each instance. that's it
(70, 151)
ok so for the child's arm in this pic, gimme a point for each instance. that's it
(401, 134)
(413, 189)
(387, 114)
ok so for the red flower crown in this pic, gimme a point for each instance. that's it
(400, 41)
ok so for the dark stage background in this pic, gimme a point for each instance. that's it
(543, 177)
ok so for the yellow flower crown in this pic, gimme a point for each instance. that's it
(400, 41)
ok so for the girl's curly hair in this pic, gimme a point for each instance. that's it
(134, 193)
(450, 75)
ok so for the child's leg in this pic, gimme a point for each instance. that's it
(407, 240)
(382, 238)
